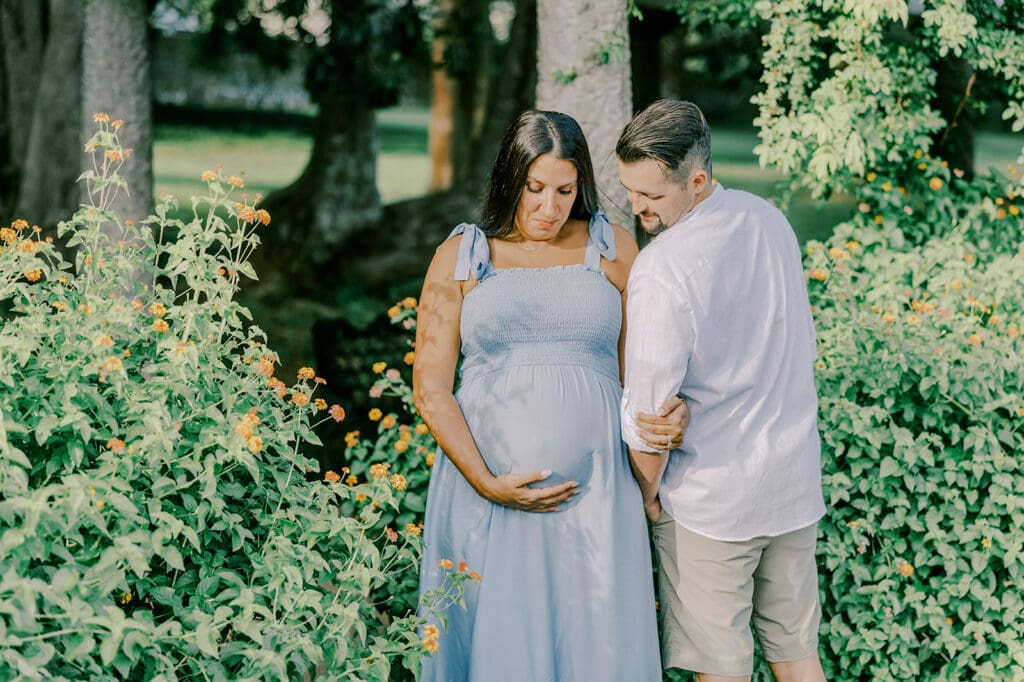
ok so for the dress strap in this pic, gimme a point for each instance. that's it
(601, 242)
(474, 261)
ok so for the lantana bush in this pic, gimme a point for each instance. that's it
(156, 517)
(921, 383)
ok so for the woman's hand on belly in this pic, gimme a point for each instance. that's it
(514, 491)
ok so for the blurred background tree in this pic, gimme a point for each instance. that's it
(40, 109)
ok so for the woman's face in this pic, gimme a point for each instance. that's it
(547, 198)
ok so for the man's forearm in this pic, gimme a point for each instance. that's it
(648, 468)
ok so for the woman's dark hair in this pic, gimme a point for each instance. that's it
(532, 134)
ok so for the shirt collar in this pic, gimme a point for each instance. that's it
(703, 207)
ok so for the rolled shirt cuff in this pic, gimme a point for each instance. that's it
(630, 432)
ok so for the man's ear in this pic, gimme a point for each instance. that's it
(699, 179)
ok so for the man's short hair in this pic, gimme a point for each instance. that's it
(671, 131)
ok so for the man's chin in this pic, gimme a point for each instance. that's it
(653, 226)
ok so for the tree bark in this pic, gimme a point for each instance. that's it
(117, 81)
(583, 70)
(21, 49)
(442, 110)
(336, 195)
(512, 90)
(48, 193)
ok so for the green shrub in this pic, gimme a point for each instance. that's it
(155, 518)
(402, 449)
(850, 87)
(921, 382)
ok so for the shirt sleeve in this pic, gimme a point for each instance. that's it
(659, 341)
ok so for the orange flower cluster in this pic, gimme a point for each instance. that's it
(306, 373)
(113, 364)
(380, 470)
(116, 445)
(246, 430)
(337, 413)
(922, 306)
(430, 635)
(398, 482)
(332, 477)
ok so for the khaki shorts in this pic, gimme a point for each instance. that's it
(711, 591)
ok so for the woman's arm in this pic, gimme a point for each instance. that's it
(437, 355)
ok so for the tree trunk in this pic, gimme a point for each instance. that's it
(21, 50)
(645, 54)
(48, 193)
(512, 90)
(442, 106)
(583, 70)
(336, 195)
(117, 81)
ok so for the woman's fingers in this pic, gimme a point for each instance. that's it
(519, 495)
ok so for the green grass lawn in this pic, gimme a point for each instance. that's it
(273, 159)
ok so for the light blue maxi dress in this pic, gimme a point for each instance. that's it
(565, 596)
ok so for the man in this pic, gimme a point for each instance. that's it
(717, 312)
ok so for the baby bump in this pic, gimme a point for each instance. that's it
(554, 417)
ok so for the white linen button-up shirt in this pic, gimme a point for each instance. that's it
(717, 311)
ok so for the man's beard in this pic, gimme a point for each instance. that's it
(657, 229)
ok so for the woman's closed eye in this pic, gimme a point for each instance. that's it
(564, 191)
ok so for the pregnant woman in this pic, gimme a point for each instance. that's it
(531, 486)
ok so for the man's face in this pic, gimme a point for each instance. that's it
(655, 196)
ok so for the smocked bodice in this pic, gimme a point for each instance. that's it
(569, 315)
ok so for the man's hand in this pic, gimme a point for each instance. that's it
(514, 491)
(665, 430)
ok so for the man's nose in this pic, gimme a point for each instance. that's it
(639, 205)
